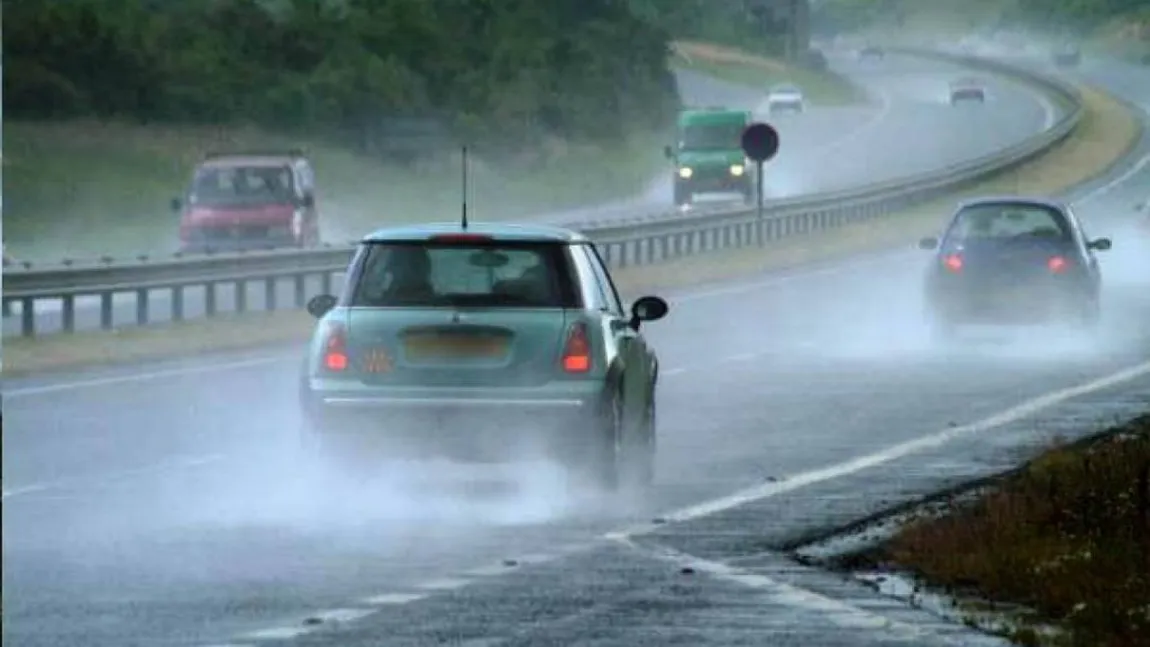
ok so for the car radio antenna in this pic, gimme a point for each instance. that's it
(464, 215)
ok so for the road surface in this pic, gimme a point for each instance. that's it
(164, 504)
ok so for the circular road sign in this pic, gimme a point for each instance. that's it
(760, 141)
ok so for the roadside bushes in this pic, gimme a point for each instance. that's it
(512, 73)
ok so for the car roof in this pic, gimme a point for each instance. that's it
(1033, 201)
(497, 230)
(233, 161)
(785, 87)
(966, 80)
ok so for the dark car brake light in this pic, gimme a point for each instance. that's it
(460, 238)
(577, 350)
(953, 262)
(1057, 264)
(335, 357)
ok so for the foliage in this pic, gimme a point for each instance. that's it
(507, 73)
(835, 16)
(1070, 537)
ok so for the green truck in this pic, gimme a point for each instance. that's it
(709, 156)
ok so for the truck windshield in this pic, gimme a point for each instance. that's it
(240, 185)
(711, 137)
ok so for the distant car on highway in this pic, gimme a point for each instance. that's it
(871, 53)
(785, 97)
(474, 342)
(1067, 55)
(249, 200)
(967, 89)
(1013, 260)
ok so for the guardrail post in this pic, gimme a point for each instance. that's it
(68, 313)
(106, 310)
(27, 317)
(177, 303)
(142, 307)
(241, 296)
(270, 285)
(210, 299)
(325, 283)
(300, 290)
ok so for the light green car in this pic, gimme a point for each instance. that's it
(479, 343)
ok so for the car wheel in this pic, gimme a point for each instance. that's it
(682, 195)
(606, 451)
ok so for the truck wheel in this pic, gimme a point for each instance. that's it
(682, 195)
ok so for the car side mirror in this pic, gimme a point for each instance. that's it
(176, 204)
(320, 305)
(1100, 244)
(928, 243)
(648, 309)
(308, 201)
(668, 152)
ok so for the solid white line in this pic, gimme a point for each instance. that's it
(837, 612)
(888, 455)
(840, 612)
(387, 599)
(149, 376)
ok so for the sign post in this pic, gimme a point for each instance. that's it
(760, 143)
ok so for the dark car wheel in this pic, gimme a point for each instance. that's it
(682, 195)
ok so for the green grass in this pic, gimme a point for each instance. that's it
(823, 89)
(81, 189)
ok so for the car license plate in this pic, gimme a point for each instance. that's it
(453, 346)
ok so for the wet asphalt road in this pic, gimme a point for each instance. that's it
(162, 505)
(823, 150)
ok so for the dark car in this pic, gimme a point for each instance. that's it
(872, 53)
(473, 343)
(1067, 56)
(239, 201)
(1013, 261)
(967, 89)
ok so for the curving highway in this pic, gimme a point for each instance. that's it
(164, 504)
(823, 150)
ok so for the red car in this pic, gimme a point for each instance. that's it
(249, 201)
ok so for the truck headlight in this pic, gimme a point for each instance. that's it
(737, 169)
(686, 172)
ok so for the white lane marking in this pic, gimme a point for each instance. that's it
(799, 597)
(314, 622)
(179, 463)
(1113, 184)
(890, 454)
(837, 612)
(883, 113)
(387, 599)
(444, 584)
(1049, 112)
(149, 376)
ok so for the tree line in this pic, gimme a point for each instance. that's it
(1068, 16)
(501, 73)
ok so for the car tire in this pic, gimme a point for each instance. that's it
(603, 462)
(682, 195)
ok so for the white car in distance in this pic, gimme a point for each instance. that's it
(785, 97)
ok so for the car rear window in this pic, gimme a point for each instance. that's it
(479, 275)
(1008, 221)
(223, 185)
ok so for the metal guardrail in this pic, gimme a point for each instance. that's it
(642, 240)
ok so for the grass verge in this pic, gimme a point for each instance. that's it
(1106, 134)
(82, 189)
(1068, 537)
(823, 88)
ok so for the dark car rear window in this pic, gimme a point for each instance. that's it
(1006, 221)
(479, 275)
(241, 185)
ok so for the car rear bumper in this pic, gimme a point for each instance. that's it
(728, 183)
(986, 307)
(457, 421)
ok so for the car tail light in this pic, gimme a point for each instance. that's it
(953, 262)
(335, 357)
(577, 351)
(1057, 264)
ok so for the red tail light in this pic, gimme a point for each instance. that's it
(1057, 264)
(577, 351)
(953, 262)
(335, 357)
